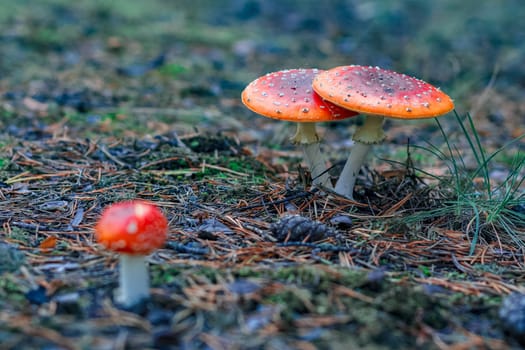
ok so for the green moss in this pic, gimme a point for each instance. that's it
(173, 70)
(21, 235)
(163, 276)
(11, 291)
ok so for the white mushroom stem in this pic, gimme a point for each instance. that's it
(345, 183)
(133, 279)
(307, 137)
(370, 133)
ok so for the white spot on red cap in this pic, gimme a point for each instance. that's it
(132, 227)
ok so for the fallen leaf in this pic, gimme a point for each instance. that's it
(48, 244)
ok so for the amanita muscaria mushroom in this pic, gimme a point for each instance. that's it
(376, 93)
(288, 95)
(134, 229)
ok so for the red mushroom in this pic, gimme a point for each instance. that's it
(288, 95)
(377, 93)
(134, 229)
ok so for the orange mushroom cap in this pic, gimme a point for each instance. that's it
(374, 90)
(288, 95)
(132, 227)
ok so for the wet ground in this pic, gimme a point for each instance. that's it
(106, 101)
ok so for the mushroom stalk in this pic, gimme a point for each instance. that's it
(308, 138)
(345, 183)
(133, 279)
(371, 132)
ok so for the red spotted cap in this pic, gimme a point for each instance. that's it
(132, 227)
(288, 95)
(374, 90)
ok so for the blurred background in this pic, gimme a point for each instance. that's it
(107, 67)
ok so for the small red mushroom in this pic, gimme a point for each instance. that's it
(134, 229)
(377, 93)
(288, 95)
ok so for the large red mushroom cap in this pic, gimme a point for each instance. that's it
(132, 227)
(378, 91)
(288, 95)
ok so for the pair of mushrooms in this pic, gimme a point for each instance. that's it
(307, 96)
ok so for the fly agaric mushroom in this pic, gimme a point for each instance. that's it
(376, 93)
(134, 229)
(288, 95)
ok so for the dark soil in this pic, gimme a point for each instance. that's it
(106, 101)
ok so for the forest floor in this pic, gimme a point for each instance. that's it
(107, 101)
